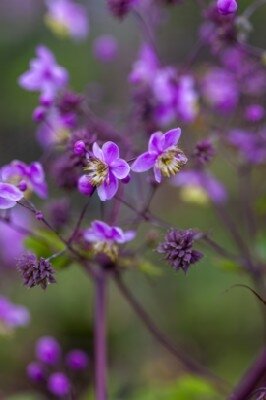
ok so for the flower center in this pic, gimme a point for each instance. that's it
(97, 171)
(56, 26)
(108, 248)
(170, 162)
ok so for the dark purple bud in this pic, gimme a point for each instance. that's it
(59, 384)
(23, 186)
(39, 215)
(35, 372)
(77, 360)
(85, 187)
(178, 248)
(126, 179)
(80, 148)
(39, 114)
(34, 271)
(204, 151)
(48, 350)
(226, 7)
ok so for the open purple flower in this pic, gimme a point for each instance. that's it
(199, 186)
(26, 178)
(67, 18)
(163, 155)
(103, 171)
(105, 238)
(9, 195)
(44, 76)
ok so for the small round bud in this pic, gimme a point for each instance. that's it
(48, 350)
(59, 384)
(77, 360)
(35, 372)
(79, 148)
(23, 186)
(39, 215)
(85, 187)
(226, 7)
(38, 114)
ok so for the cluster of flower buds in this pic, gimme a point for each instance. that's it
(55, 372)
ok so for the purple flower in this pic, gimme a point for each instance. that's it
(35, 372)
(251, 145)
(220, 89)
(77, 360)
(44, 76)
(12, 315)
(254, 112)
(103, 171)
(67, 18)
(199, 186)
(105, 238)
(55, 129)
(145, 68)
(27, 177)
(226, 7)
(163, 155)
(9, 195)
(178, 248)
(105, 48)
(48, 350)
(59, 384)
(35, 272)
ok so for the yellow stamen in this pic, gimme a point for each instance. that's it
(168, 162)
(58, 28)
(110, 249)
(194, 194)
(96, 171)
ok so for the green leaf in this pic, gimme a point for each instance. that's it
(45, 244)
(260, 247)
(227, 265)
(148, 268)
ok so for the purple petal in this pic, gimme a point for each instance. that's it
(157, 174)
(108, 189)
(84, 186)
(5, 204)
(97, 151)
(120, 168)
(110, 152)
(129, 235)
(144, 162)
(156, 142)
(99, 230)
(36, 172)
(10, 192)
(171, 137)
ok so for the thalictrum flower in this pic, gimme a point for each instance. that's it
(105, 238)
(44, 76)
(163, 155)
(9, 195)
(67, 18)
(103, 171)
(27, 178)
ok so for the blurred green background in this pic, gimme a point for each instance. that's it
(221, 329)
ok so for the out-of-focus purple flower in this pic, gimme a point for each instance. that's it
(55, 129)
(48, 350)
(59, 384)
(119, 8)
(35, 372)
(254, 112)
(67, 18)
(226, 7)
(11, 238)
(77, 360)
(204, 151)
(251, 145)
(12, 315)
(145, 68)
(59, 212)
(105, 48)
(163, 155)
(105, 238)
(103, 171)
(9, 195)
(34, 271)
(178, 248)
(26, 177)
(187, 99)
(44, 76)
(199, 186)
(220, 89)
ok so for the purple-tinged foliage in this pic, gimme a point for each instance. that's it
(34, 271)
(177, 249)
(163, 155)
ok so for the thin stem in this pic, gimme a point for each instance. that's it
(188, 363)
(252, 8)
(79, 222)
(251, 378)
(100, 283)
